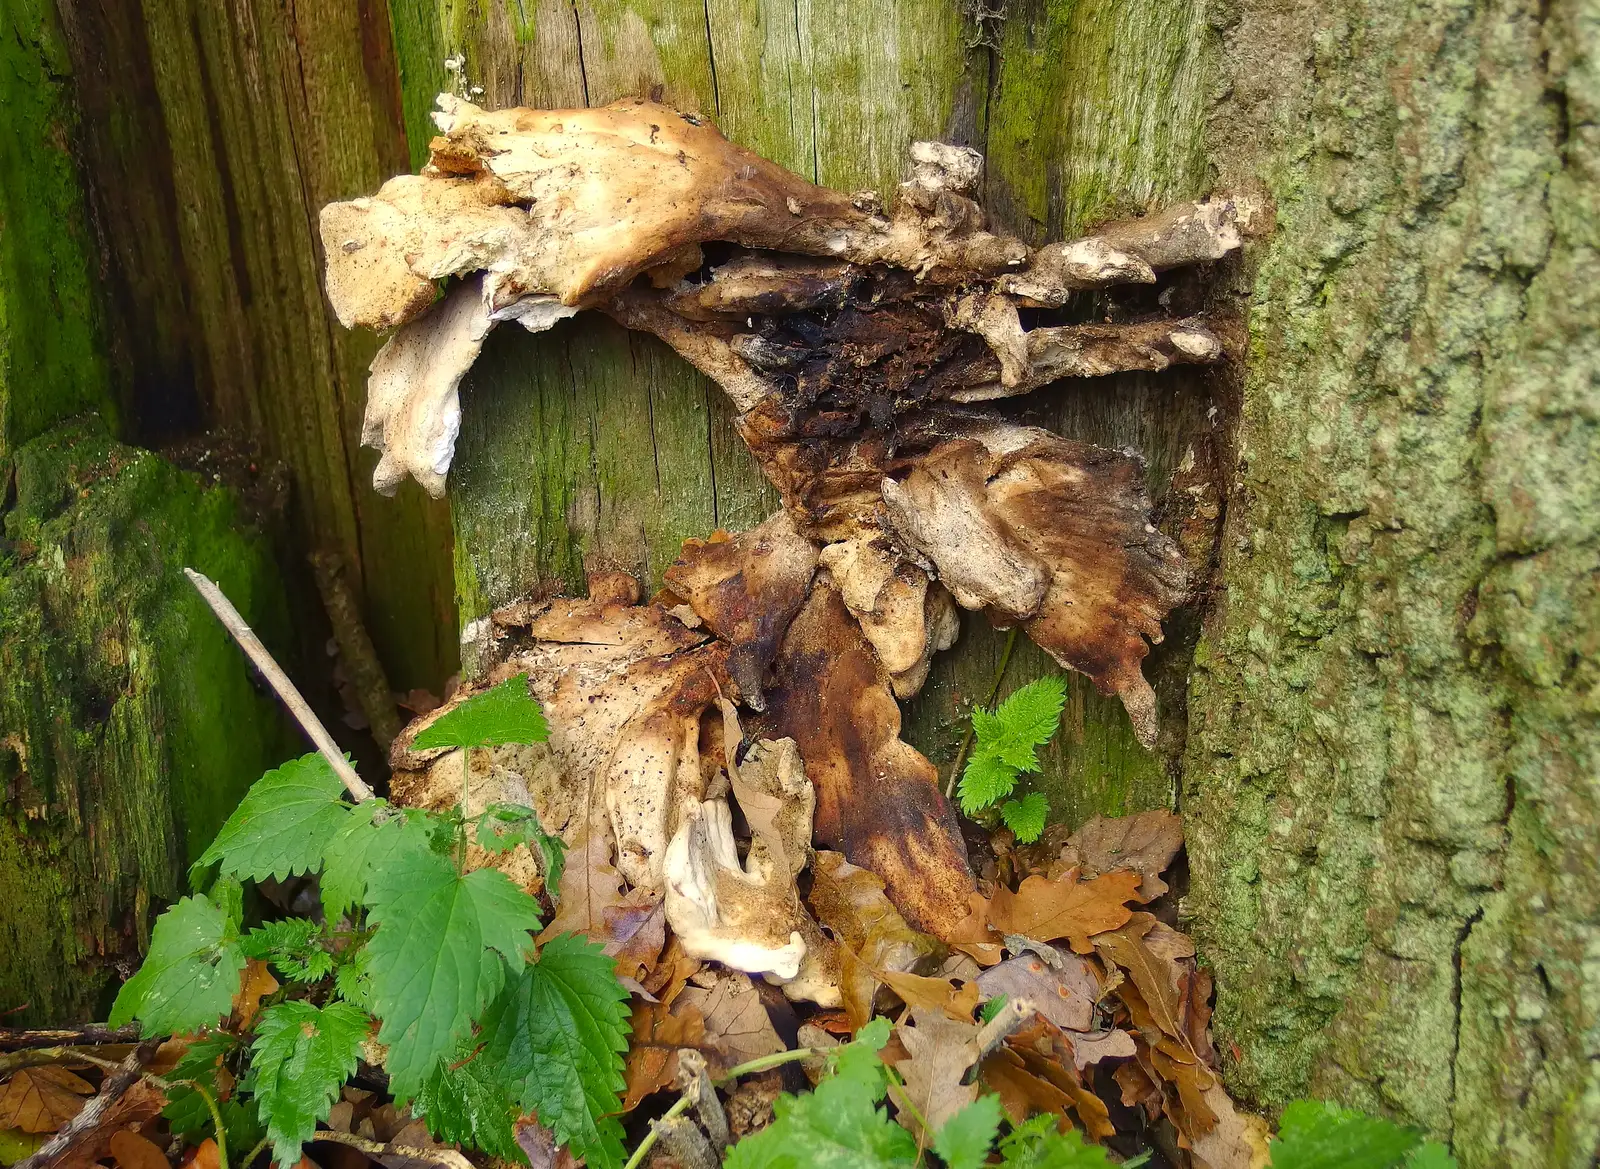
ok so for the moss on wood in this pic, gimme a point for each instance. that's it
(129, 724)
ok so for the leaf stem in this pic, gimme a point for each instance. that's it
(678, 1109)
(766, 1062)
(994, 693)
(250, 1157)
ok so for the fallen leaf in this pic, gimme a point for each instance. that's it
(538, 1144)
(254, 985)
(939, 1052)
(1096, 1046)
(42, 1099)
(206, 1156)
(672, 970)
(1021, 1092)
(937, 994)
(974, 937)
(658, 1035)
(1145, 843)
(636, 934)
(1197, 1016)
(873, 936)
(1048, 1056)
(1045, 910)
(590, 887)
(1194, 1117)
(1238, 1141)
(1064, 995)
(1155, 978)
(737, 1026)
(133, 1151)
(1138, 1088)
(140, 1103)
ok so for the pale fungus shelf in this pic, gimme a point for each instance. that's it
(858, 348)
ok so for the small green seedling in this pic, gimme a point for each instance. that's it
(1005, 748)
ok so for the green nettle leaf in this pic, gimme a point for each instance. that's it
(964, 1140)
(1430, 1155)
(186, 1110)
(559, 1033)
(283, 824)
(984, 781)
(839, 1124)
(465, 1102)
(1025, 817)
(501, 827)
(190, 975)
(375, 836)
(301, 1058)
(439, 956)
(1038, 1143)
(505, 714)
(293, 945)
(1312, 1135)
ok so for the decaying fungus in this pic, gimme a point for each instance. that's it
(858, 348)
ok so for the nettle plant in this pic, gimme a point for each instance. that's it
(1006, 742)
(417, 963)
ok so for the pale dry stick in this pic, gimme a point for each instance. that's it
(279, 681)
(123, 1076)
(376, 1149)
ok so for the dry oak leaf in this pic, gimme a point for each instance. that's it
(933, 994)
(255, 985)
(1096, 1046)
(1238, 1141)
(1145, 843)
(1046, 910)
(133, 1151)
(591, 897)
(974, 937)
(1157, 979)
(873, 937)
(42, 1099)
(140, 1103)
(738, 1028)
(658, 1035)
(1065, 995)
(939, 1051)
(1021, 1092)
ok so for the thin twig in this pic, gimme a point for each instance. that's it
(360, 659)
(279, 681)
(12, 1039)
(678, 1109)
(37, 1056)
(111, 1089)
(994, 693)
(766, 1062)
(375, 1149)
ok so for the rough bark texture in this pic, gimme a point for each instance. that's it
(591, 446)
(129, 723)
(1390, 786)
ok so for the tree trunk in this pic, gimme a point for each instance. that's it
(1383, 740)
(1390, 783)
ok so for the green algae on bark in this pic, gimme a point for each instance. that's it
(129, 724)
(1390, 788)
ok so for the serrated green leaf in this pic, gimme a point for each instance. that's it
(559, 1032)
(1038, 1143)
(439, 956)
(374, 835)
(1025, 817)
(964, 1140)
(984, 781)
(840, 1124)
(283, 823)
(190, 975)
(293, 946)
(186, 1110)
(505, 714)
(301, 1058)
(1313, 1135)
(465, 1102)
(1025, 721)
(351, 979)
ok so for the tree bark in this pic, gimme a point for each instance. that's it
(1390, 782)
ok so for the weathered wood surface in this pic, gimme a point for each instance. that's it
(591, 446)
(213, 133)
(129, 722)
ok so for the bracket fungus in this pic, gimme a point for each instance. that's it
(860, 348)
